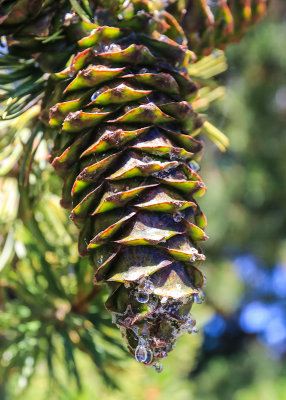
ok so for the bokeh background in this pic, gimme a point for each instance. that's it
(63, 346)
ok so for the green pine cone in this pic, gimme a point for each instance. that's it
(40, 28)
(129, 161)
(124, 141)
(215, 24)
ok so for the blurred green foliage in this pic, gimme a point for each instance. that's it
(247, 186)
(65, 340)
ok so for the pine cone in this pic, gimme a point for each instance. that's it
(39, 29)
(129, 161)
(215, 24)
(126, 146)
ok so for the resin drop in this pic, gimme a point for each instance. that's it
(190, 323)
(194, 166)
(95, 95)
(142, 297)
(146, 286)
(199, 297)
(158, 367)
(149, 357)
(141, 354)
(178, 216)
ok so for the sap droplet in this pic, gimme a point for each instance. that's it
(178, 216)
(147, 286)
(73, 115)
(143, 71)
(141, 341)
(199, 297)
(68, 15)
(190, 323)
(216, 53)
(173, 156)
(149, 356)
(158, 367)
(195, 166)
(141, 354)
(114, 47)
(173, 307)
(146, 159)
(194, 251)
(111, 48)
(168, 348)
(128, 108)
(162, 354)
(69, 18)
(194, 254)
(164, 38)
(142, 297)
(95, 95)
